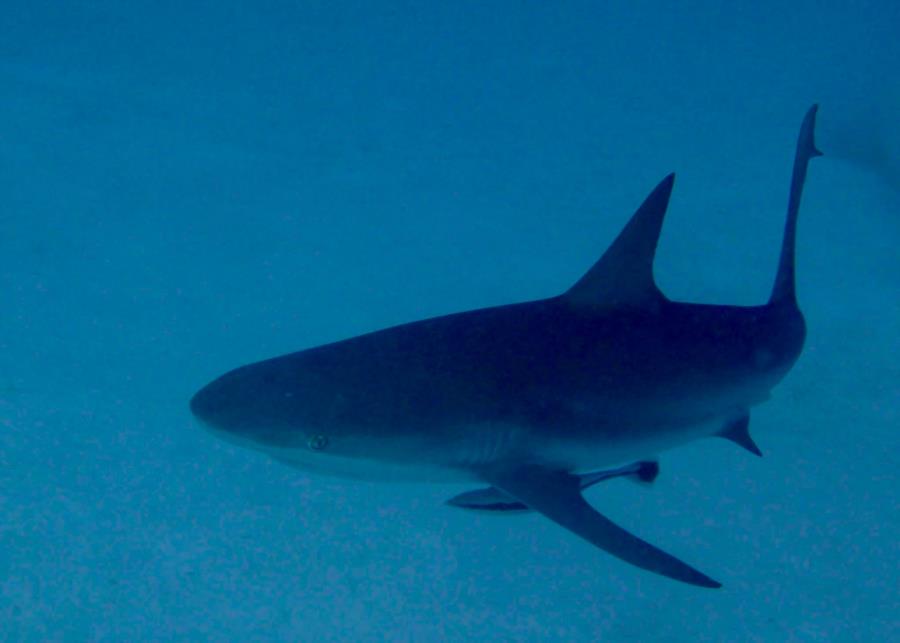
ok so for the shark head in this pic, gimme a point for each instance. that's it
(293, 409)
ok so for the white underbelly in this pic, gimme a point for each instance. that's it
(374, 470)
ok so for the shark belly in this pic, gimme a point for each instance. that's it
(371, 469)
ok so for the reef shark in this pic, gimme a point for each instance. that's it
(526, 398)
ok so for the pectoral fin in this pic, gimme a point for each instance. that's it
(557, 495)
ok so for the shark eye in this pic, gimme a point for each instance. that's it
(317, 442)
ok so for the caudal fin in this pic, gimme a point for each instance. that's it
(784, 290)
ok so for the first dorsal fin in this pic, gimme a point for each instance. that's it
(623, 276)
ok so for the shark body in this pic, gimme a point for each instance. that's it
(528, 397)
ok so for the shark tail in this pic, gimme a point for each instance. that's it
(784, 291)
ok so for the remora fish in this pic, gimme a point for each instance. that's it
(526, 396)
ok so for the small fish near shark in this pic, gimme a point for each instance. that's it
(529, 398)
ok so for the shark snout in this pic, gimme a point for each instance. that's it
(207, 405)
(241, 405)
(222, 404)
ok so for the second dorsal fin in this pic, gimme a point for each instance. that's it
(623, 276)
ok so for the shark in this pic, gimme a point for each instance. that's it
(533, 401)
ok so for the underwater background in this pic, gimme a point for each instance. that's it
(188, 187)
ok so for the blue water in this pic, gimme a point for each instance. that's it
(188, 189)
